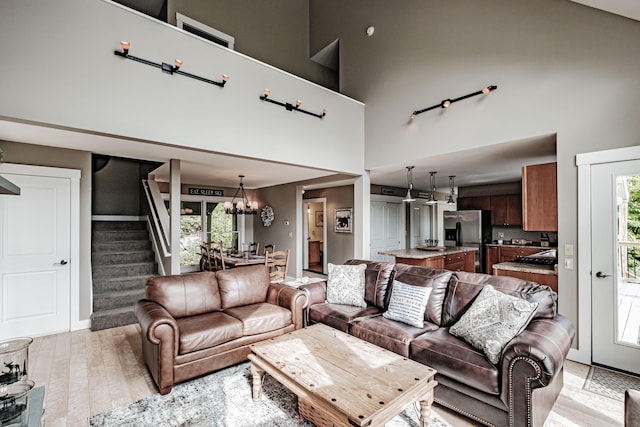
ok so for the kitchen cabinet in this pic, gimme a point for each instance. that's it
(496, 254)
(463, 261)
(475, 202)
(506, 209)
(540, 197)
(550, 280)
(510, 253)
(492, 256)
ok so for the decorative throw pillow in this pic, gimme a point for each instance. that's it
(345, 284)
(493, 320)
(407, 304)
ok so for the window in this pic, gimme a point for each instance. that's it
(201, 30)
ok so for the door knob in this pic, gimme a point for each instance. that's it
(62, 262)
(599, 275)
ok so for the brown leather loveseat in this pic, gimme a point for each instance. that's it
(194, 324)
(519, 390)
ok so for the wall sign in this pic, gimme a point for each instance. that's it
(205, 192)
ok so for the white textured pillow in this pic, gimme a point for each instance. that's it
(345, 284)
(493, 320)
(408, 303)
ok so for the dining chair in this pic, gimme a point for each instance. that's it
(253, 248)
(269, 247)
(217, 257)
(278, 264)
(205, 257)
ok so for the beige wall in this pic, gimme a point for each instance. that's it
(275, 32)
(560, 68)
(38, 155)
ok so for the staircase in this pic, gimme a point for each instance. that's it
(122, 260)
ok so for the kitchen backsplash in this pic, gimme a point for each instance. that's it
(518, 233)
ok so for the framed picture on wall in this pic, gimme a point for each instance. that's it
(344, 220)
(319, 219)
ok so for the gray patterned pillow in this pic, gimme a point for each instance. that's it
(493, 320)
(345, 284)
(407, 304)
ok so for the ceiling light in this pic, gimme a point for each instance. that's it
(243, 206)
(446, 103)
(431, 200)
(409, 197)
(451, 200)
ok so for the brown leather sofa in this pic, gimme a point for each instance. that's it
(194, 324)
(519, 391)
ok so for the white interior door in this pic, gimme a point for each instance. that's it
(615, 261)
(387, 228)
(35, 234)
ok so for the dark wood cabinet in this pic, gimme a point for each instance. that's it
(475, 202)
(506, 209)
(540, 197)
(492, 256)
(463, 261)
(550, 280)
(510, 253)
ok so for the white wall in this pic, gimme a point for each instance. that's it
(63, 73)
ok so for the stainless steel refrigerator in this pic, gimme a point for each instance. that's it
(468, 228)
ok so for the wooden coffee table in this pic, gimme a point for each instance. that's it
(342, 380)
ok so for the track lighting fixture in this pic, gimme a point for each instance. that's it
(167, 68)
(431, 200)
(409, 197)
(447, 102)
(291, 107)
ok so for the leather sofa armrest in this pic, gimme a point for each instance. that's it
(631, 407)
(160, 341)
(289, 298)
(535, 357)
(316, 292)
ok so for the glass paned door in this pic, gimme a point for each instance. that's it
(615, 262)
(628, 259)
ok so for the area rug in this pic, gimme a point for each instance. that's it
(224, 399)
(610, 383)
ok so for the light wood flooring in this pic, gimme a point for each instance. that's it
(86, 373)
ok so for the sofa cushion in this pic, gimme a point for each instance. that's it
(390, 334)
(407, 304)
(260, 318)
(345, 284)
(185, 294)
(437, 280)
(466, 286)
(492, 321)
(456, 359)
(207, 330)
(339, 316)
(243, 285)
(378, 277)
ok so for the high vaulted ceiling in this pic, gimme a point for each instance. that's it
(497, 163)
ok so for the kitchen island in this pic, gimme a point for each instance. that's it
(456, 258)
(542, 274)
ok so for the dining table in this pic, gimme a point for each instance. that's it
(239, 260)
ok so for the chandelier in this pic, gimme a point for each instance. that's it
(243, 206)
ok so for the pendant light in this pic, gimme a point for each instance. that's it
(451, 200)
(431, 200)
(243, 206)
(409, 197)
